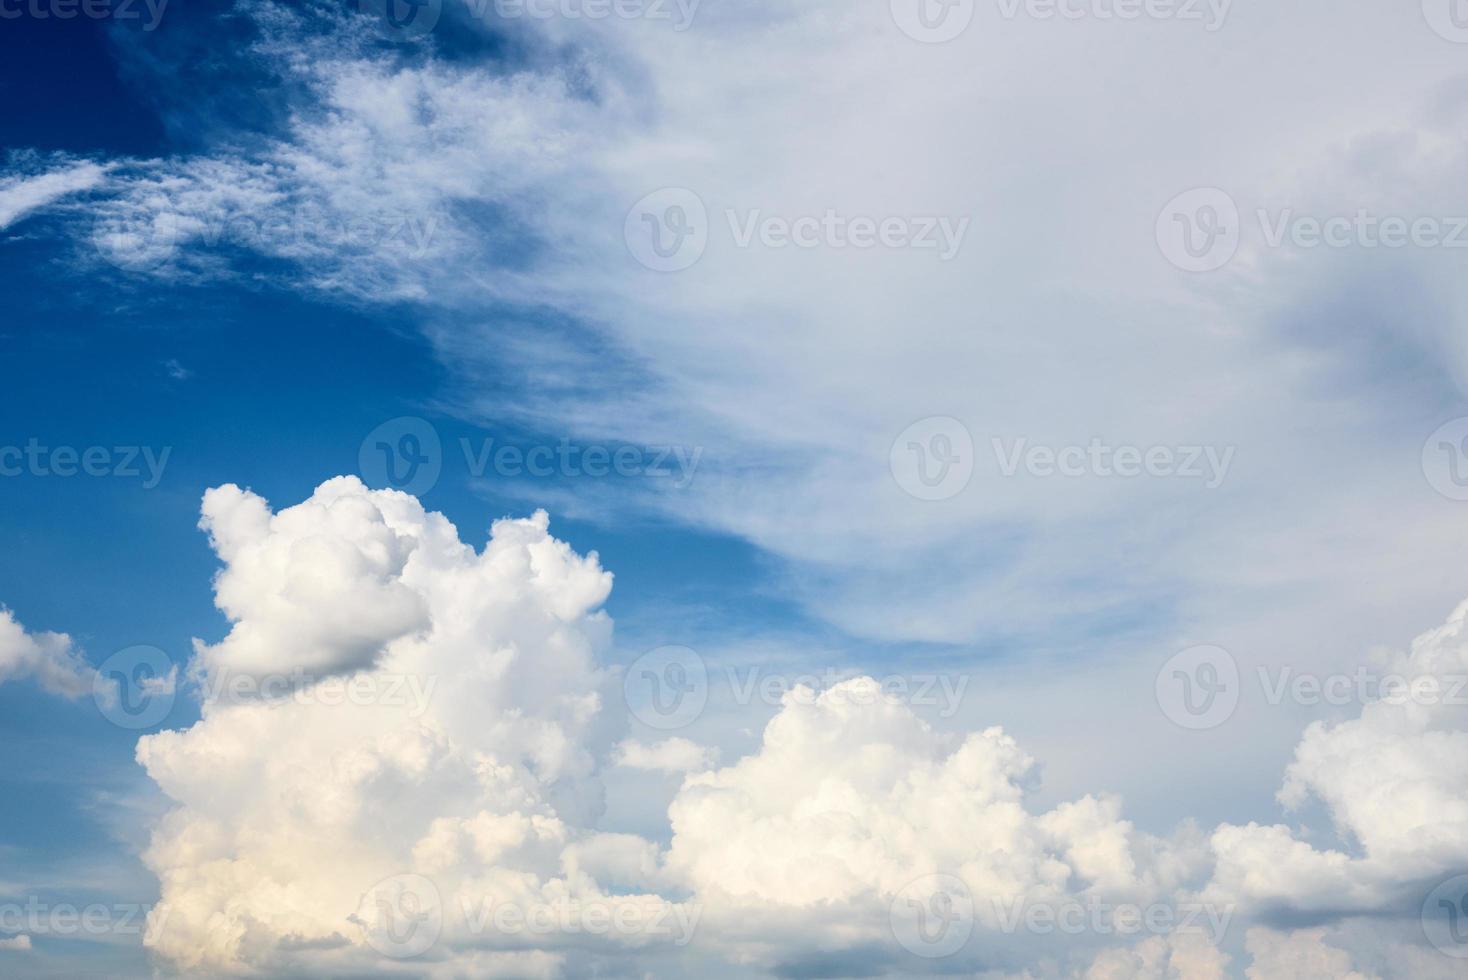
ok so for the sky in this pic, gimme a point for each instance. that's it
(643, 488)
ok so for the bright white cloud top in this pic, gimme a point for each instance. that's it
(421, 794)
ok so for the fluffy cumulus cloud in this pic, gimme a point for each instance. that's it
(424, 796)
(319, 587)
(1394, 781)
(1185, 956)
(667, 755)
(853, 808)
(51, 659)
(429, 757)
(1299, 955)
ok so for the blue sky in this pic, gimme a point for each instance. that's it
(900, 458)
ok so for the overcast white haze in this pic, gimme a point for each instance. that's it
(1084, 508)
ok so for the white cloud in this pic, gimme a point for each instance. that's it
(1184, 956)
(321, 588)
(668, 755)
(289, 811)
(20, 942)
(1299, 955)
(1394, 781)
(20, 196)
(1058, 320)
(851, 801)
(300, 822)
(51, 659)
